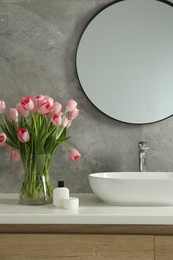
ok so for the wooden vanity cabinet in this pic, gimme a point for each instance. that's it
(76, 246)
(164, 247)
(85, 242)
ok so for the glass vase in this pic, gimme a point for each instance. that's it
(36, 187)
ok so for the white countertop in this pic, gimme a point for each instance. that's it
(91, 211)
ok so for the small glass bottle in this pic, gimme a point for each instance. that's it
(59, 194)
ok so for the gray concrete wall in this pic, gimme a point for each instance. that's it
(38, 40)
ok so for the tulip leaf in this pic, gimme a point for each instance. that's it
(62, 140)
(12, 144)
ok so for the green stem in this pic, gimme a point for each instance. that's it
(35, 125)
(60, 132)
(5, 123)
(67, 145)
(37, 185)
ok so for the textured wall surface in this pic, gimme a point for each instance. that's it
(38, 40)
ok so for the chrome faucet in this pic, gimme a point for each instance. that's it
(143, 147)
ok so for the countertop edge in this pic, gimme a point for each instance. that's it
(91, 211)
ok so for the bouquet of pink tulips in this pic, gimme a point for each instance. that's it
(31, 133)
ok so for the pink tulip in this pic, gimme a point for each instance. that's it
(37, 101)
(74, 154)
(23, 135)
(3, 138)
(2, 107)
(73, 114)
(66, 122)
(71, 105)
(45, 109)
(49, 100)
(13, 114)
(56, 107)
(46, 106)
(27, 103)
(21, 110)
(56, 119)
(15, 156)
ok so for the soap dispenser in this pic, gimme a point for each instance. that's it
(59, 194)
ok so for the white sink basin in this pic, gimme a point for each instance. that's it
(133, 188)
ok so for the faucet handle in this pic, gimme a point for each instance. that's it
(143, 145)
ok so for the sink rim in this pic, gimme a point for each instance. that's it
(130, 176)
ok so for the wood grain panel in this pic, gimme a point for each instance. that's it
(83, 247)
(87, 229)
(163, 248)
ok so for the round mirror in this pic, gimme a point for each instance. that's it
(124, 60)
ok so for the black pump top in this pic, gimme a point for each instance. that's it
(60, 184)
